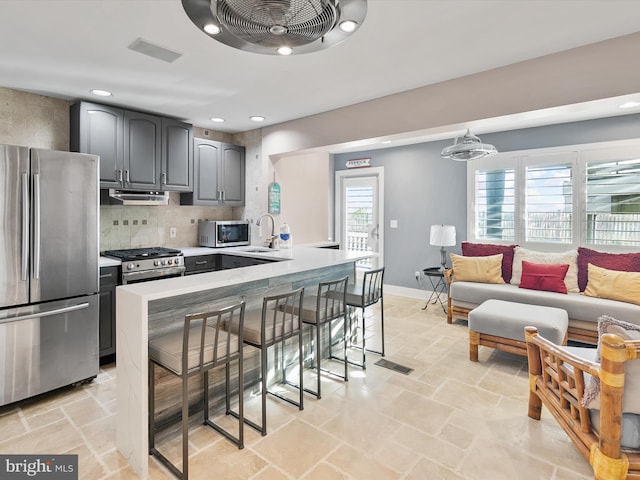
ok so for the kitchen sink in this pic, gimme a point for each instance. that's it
(260, 250)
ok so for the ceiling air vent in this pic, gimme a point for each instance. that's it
(152, 50)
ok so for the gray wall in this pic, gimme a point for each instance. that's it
(422, 189)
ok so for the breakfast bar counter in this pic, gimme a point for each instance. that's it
(144, 310)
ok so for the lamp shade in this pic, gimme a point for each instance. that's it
(443, 235)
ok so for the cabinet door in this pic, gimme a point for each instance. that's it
(142, 144)
(206, 189)
(98, 129)
(107, 329)
(200, 264)
(232, 174)
(177, 156)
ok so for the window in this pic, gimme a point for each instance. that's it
(494, 204)
(558, 198)
(549, 209)
(613, 202)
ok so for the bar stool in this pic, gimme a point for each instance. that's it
(363, 295)
(317, 311)
(272, 325)
(200, 346)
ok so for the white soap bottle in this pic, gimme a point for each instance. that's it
(286, 242)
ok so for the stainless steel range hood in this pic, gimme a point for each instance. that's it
(127, 197)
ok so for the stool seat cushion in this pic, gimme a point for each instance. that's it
(166, 350)
(508, 319)
(355, 298)
(332, 311)
(253, 326)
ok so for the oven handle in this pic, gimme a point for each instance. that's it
(157, 274)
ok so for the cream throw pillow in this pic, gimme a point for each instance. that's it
(477, 269)
(612, 284)
(564, 258)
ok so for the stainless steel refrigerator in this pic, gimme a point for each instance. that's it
(49, 300)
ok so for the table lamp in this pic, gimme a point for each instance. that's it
(443, 236)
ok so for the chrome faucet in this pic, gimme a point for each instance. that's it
(268, 241)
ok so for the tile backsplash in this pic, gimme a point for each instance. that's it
(124, 226)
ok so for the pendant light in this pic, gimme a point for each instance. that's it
(468, 147)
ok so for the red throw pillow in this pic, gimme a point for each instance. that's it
(547, 277)
(622, 262)
(485, 249)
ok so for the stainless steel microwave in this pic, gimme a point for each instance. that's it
(226, 233)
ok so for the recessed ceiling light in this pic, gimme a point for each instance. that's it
(348, 26)
(101, 93)
(630, 105)
(211, 29)
(257, 118)
(217, 119)
(386, 141)
(285, 50)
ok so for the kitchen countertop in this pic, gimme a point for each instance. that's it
(300, 259)
(108, 262)
(137, 303)
(255, 251)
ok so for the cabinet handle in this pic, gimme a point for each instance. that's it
(119, 177)
(106, 275)
(222, 192)
(126, 176)
(163, 178)
(203, 262)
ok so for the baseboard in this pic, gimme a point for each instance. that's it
(416, 293)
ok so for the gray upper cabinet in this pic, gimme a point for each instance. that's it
(232, 174)
(177, 145)
(138, 151)
(218, 174)
(142, 144)
(99, 130)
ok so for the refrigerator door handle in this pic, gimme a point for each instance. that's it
(25, 226)
(36, 225)
(57, 311)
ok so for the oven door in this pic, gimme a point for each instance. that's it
(156, 274)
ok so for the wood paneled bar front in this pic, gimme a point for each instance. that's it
(145, 310)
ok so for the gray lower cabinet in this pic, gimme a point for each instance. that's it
(200, 264)
(219, 174)
(219, 261)
(138, 151)
(107, 325)
(233, 261)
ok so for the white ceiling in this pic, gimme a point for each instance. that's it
(65, 48)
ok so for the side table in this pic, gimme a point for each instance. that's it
(438, 285)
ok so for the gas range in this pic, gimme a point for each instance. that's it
(144, 264)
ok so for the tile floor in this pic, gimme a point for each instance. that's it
(448, 419)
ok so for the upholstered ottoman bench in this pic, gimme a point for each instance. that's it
(500, 324)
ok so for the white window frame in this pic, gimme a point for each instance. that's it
(578, 155)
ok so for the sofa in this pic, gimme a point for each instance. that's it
(594, 283)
